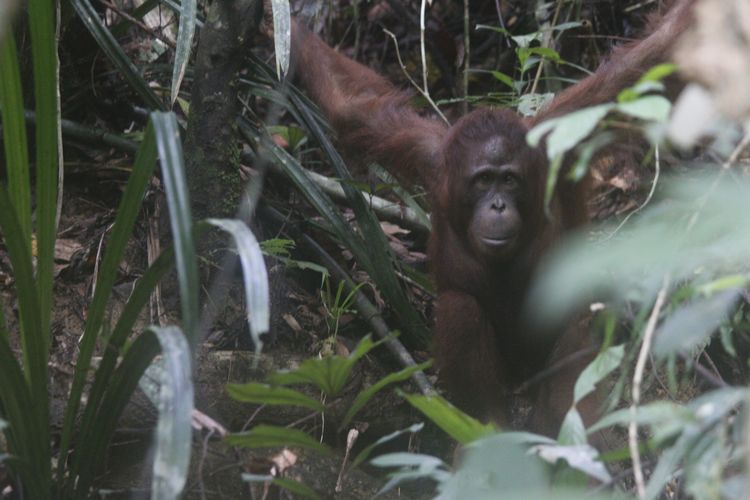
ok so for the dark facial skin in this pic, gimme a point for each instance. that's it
(495, 189)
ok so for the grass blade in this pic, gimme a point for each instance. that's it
(18, 408)
(188, 12)
(44, 55)
(14, 133)
(282, 31)
(19, 252)
(173, 431)
(254, 275)
(178, 200)
(26, 413)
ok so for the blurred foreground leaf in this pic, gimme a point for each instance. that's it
(694, 235)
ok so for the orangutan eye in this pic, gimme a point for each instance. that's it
(511, 180)
(484, 178)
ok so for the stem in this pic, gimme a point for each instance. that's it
(547, 41)
(640, 366)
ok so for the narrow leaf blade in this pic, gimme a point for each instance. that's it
(188, 13)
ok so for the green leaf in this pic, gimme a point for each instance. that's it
(277, 247)
(26, 441)
(709, 409)
(653, 414)
(722, 284)
(525, 41)
(668, 462)
(290, 485)
(585, 153)
(498, 466)
(658, 73)
(364, 454)
(498, 75)
(635, 92)
(503, 78)
(631, 266)
(296, 487)
(188, 13)
(545, 52)
(19, 252)
(692, 324)
(530, 104)
(180, 218)
(403, 459)
(41, 17)
(580, 457)
(526, 61)
(604, 364)
(567, 26)
(567, 131)
(707, 463)
(649, 82)
(552, 174)
(173, 430)
(317, 372)
(412, 466)
(716, 405)
(18, 394)
(255, 277)
(14, 133)
(255, 392)
(572, 430)
(268, 436)
(329, 374)
(367, 394)
(450, 419)
(294, 136)
(282, 34)
(496, 29)
(651, 108)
